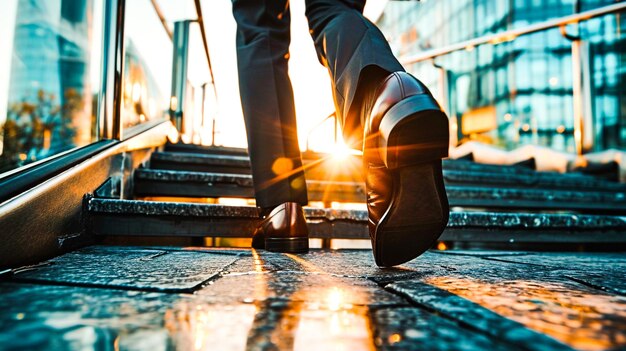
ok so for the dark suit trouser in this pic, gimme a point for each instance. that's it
(350, 46)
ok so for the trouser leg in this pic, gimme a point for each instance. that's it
(356, 54)
(267, 101)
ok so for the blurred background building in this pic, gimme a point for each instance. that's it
(517, 92)
(49, 105)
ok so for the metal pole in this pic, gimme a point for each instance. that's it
(213, 132)
(162, 18)
(589, 119)
(577, 97)
(443, 99)
(179, 73)
(202, 112)
(583, 103)
(110, 96)
(205, 44)
(119, 71)
(581, 89)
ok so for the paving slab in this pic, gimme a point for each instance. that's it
(130, 268)
(601, 271)
(541, 297)
(410, 328)
(474, 316)
(53, 317)
(604, 271)
(257, 300)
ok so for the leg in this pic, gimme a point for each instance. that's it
(267, 100)
(404, 131)
(268, 108)
(356, 54)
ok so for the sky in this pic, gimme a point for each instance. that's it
(310, 80)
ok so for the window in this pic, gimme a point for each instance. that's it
(50, 52)
(147, 65)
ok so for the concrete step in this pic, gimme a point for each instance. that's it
(536, 180)
(461, 164)
(151, 218)
(151, 182)
(182, 161)
(205, 149)
(148, 182)
(197, 161)
(457, 172)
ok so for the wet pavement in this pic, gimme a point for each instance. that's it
(157, 298)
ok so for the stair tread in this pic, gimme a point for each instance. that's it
(454, 171)
(457, 218)
(199, 184)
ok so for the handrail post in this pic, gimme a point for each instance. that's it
(110, 96)
(581, 89)
(589, 117)
(179, 73)
(444, 93)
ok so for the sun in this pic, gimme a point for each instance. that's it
(340, 151)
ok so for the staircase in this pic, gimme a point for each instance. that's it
(499, 205)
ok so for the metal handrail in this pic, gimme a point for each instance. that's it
(162, 18)
(205, 43)
(511, 35)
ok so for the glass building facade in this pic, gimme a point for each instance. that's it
(51, 75)
(517, 92)
(49, 104)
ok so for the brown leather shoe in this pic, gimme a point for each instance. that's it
(283, 230)
(406, 136)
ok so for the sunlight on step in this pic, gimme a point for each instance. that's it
(203, 327)
(574, 317)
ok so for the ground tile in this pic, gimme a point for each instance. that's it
(130, 268)
(410, 328)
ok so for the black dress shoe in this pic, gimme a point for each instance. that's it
(406, 136)
(283, 229)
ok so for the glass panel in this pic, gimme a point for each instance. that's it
(50, 55)
(147, 65)
(513, 94)
(520, 92)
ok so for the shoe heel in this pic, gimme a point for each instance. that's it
(416, 217)
(287, 245)
(413, 131)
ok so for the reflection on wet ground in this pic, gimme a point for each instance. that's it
(324, 300)
(319, 317)
(329, 319)
(598, 319)
(201, 327)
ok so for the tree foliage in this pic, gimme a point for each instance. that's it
(36, 129)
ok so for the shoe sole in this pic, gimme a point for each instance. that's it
(287, 245)
(413, 139)
(414, 130)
